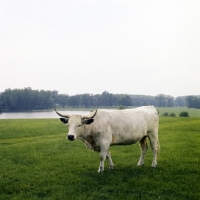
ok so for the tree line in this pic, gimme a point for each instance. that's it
(28, 99)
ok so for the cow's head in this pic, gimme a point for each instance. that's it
(75, 124)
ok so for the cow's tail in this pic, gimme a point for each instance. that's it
(158, 143)
(158, 146)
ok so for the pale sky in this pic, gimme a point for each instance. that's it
(145, 47)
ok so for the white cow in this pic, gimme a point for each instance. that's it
(105, 128)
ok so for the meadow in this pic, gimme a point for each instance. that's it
(37, 162)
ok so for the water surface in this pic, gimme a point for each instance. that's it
(35, 115)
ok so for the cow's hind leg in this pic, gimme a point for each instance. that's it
(111, 165)
(144, 148)
(155, 147)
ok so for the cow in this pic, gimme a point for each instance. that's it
(103, 128)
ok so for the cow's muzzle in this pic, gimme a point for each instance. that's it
(71, 137)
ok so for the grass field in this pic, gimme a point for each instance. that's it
(177, 110)
(37, 162)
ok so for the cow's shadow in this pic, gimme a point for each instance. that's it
(120, 179)
(127, 172)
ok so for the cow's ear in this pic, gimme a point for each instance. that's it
(88, 121)
(64, 120)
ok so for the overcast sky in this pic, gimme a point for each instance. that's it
(90, 46)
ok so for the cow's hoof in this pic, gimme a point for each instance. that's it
(140, 164)
(100, 170)
(111, 167)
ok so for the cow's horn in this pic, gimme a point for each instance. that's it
(65, 116)
(85, 117)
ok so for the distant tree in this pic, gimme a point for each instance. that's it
(139, 100)
(74, 101)
(126, 101)
(184, 114)
(62, 99)
(170, 101)
(122, 107)
(166, 114)
(172, 115)
(26, 99)
(143, 100)
(193, 102)
(5, 98)
(96, 99)
(106, 99)
(0, 105)
(180, 101)
(55, 96)
(115, 100)
(86, 100)
(163, 100)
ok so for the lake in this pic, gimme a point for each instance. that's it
(35, 115)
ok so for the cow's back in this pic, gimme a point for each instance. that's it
(125, 126)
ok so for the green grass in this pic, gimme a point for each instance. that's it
(37, 162)
(177, 110)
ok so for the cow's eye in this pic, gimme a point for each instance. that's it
(79, 125)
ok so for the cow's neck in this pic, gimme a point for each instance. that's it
(86, 131)
(87, 138)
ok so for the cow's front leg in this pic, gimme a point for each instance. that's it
(103, 153)
(111, 165)
(102, 160)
